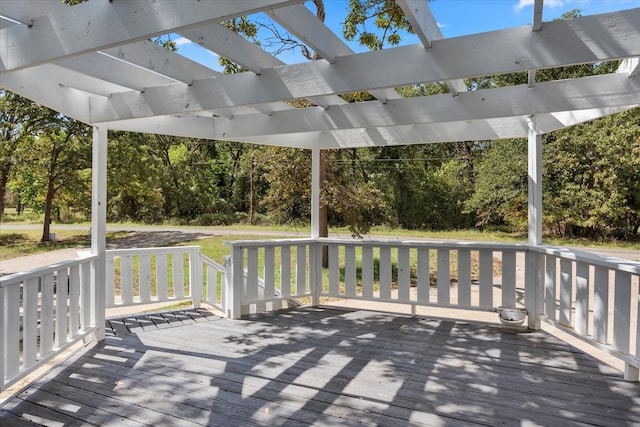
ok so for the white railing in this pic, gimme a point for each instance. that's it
(477, 276)
(42, 313)
(268, 275)
(214, 277)
(594, 298)
(153, 275)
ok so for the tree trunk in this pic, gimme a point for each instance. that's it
(4, 177)
(51, 190)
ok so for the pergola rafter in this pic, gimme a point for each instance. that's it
(121, 78)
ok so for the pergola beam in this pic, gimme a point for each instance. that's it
(562, 43)
(426, 28)
(578, 94)
(99, 25)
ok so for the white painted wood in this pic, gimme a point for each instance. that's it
(149, 55)
(427, 29)
(404, 275)
(464, 277)
(509, 279)
(424, 280)
(486, 278)
(537, 15)
(301, 269)
(96, 25)
(582, 298)
(86, 306)
(110, 282)
(315, 191)
(367, 272)
(162, 282)
(385, 273)
(3, 336)
(269, 274)
(74, 301)
(601, 305)
(334, 270)
(350, 270)
(534, 183)
(550, 287)
(47, 324)
(195, 277)
(30, 322)
(235, 283)
(126, 279)
(252, 274)
(622, 312)
(444, 277)
(178, 275)
(11, 327)
(285, 270)
(566, 285)
(494, 53)
(212, 286)
(61, 317)
(500, 128)
(144, 277)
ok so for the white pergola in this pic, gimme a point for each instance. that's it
(95, 62)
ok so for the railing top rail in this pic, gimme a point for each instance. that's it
(268, 242)
(497, 246)
(614, 263)
(37, 272)
(212, 263)
(433, 244)
(159, 250)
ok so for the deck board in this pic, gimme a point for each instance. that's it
(323, 366)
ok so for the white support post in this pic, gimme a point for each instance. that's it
(315, 249)
(315, 191)
(99, 228)
(534, 273)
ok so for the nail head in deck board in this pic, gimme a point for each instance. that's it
(325, 366)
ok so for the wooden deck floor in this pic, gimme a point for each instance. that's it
(327, 367)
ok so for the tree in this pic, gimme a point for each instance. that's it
(51, 160)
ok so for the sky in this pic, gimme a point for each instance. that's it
(455, 18)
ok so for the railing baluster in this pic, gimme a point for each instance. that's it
(74, 300)
(270, 276)
(385, 273)
(62, 295)
(12, 332)
(622, 311)
(601, 305)
(565, 291)
(350, 270)
(178, 275)
(550, 286)
(30, 322)
(486, 278)
(46, 314)
(252, 275)
(162, 282)
(582, 297)
(404, 274)
(444, 280)
(301, 269)
(367, 271)
(508, 279)
(464, 277)
(424, 284)
(126, 279)
(334, 270)
(85, 296)
(144, 277)
(110, 284)
(285, 270)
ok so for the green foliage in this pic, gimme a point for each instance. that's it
(501, 180)
(388, 23)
